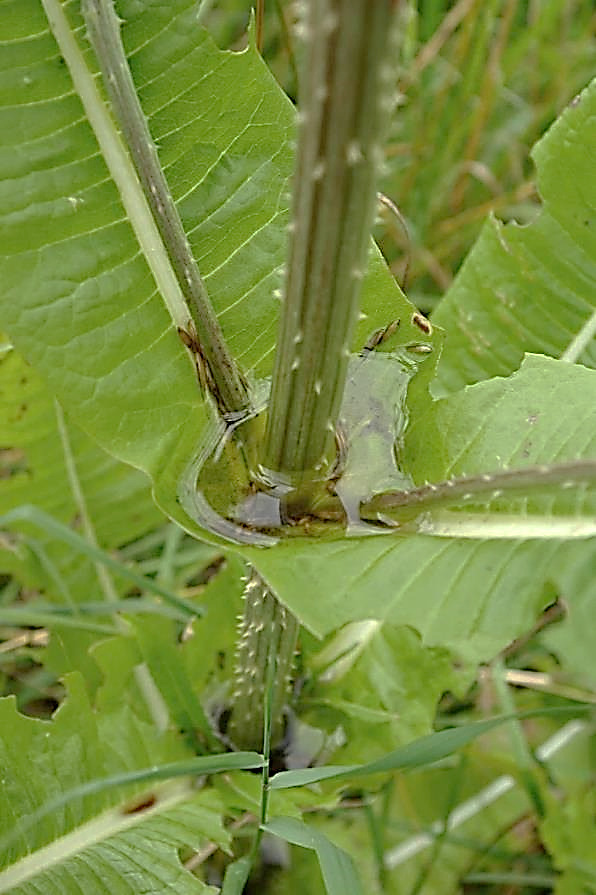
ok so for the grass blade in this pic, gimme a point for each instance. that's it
(337, 868)
(50, 525)
(423, 751)
(236, 876)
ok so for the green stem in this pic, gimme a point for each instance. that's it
(344, 106)
(264, 660)
(265, 775)
(223, 378)
(507, 483)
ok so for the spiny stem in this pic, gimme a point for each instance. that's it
(345, 100)
(264, 658)
(223, 378)
(506, 483)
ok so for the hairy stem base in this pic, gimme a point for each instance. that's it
(268, 632)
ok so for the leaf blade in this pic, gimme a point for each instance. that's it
(337, 867)
(423, 751)
(82, 791)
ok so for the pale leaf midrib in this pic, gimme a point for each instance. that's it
(106, 825)
(581, 340)
(504, 526)
(119, 165)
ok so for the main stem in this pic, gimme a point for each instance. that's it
(264, 660)
(344, 104)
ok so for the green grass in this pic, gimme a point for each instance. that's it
(478, 87)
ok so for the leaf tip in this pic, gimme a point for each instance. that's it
(251, 31)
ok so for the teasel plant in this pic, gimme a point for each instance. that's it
(346, 95)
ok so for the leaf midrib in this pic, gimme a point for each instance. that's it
(103, 827)
(119, 165)
(580, 341)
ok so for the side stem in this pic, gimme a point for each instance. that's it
(223, 378)
(345, 100)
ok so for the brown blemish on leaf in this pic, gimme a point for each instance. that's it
(140, 805)
(12, 462)
(20, 413)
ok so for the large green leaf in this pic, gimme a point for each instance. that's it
(543, 413)
(379, 684)
(531, 288)
(472, 594)
(105, 839)
(80, 298)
